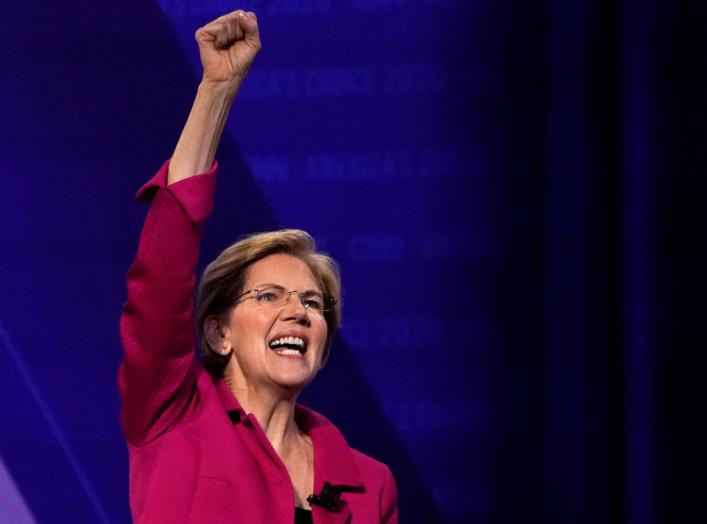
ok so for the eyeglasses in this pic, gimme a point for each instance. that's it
(277, 296)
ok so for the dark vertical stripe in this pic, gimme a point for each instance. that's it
(604, 74)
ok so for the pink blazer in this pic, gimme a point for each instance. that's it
(195, 455)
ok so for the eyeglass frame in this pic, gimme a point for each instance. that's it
(328, 301)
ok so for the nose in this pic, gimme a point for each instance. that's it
(294, 309)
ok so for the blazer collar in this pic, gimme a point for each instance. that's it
(228, 399)
(333, 458)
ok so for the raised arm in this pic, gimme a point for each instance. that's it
(227, 47)
(157, 376)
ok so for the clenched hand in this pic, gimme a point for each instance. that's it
(227, 47)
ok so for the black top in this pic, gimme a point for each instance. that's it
(303, 516)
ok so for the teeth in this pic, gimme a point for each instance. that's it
(288, 352)
(292, 341)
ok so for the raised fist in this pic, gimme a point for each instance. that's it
(228, 45)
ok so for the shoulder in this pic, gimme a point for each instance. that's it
(370, 468)
(378, 479)
(375, 474)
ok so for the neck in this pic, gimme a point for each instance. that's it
(273, 408)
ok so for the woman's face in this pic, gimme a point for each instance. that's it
(259, 333)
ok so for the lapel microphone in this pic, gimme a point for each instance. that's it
(329, 497)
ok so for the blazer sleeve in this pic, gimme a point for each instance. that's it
(157, 378)
(389, 499)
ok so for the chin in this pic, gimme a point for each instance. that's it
(292, 381)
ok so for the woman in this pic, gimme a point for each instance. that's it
(226, 442)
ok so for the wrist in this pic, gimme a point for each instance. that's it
(220, 88)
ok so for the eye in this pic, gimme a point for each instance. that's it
(314, 303)
(265, 297)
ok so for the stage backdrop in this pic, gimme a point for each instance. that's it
(515, 193)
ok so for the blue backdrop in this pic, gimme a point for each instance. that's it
(514, 190)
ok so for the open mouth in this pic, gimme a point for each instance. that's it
(294, 346)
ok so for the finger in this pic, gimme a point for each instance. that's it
(227, 29)
(214, 25)
(222, 34)
(228, 32)
(249, 23)
(233, 15)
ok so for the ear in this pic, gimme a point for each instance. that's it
(215, 333)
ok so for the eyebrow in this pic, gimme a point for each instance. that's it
(271, 284)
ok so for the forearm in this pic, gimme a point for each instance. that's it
(196, 149)
(227, 47)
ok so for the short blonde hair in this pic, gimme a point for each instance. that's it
(223, 280)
